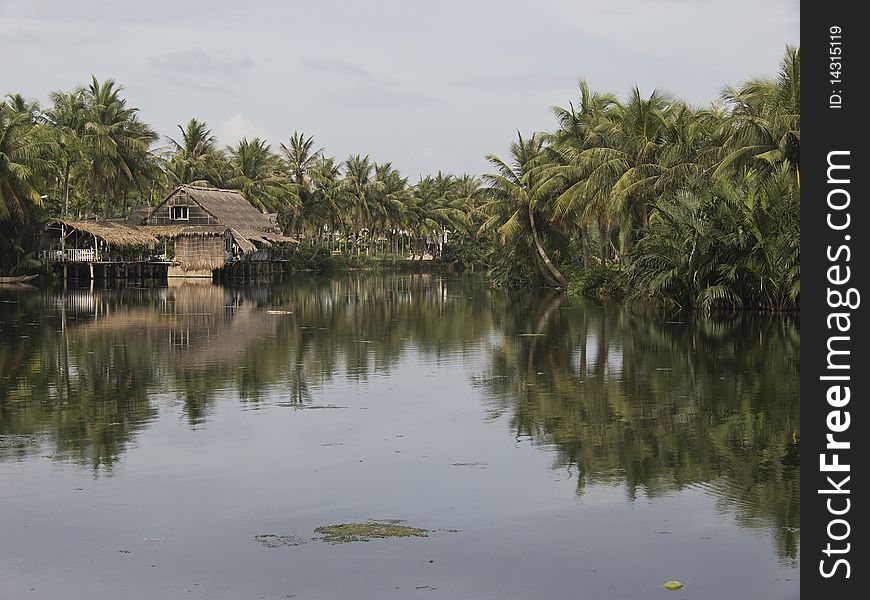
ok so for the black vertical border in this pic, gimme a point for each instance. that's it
(826, 129)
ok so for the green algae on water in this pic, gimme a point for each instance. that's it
(271, 540)
(672, 585)
(371, 529)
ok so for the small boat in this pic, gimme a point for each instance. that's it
(18, 279)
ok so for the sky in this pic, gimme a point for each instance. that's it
(425, 85)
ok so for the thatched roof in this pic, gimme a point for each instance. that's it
(172, 231)
(265, 238)
(245, 237)
(138, 214)
(113, 233)
(229, 207)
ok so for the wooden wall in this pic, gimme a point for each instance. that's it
(197, 216)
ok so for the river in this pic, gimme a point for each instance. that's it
(186, 442)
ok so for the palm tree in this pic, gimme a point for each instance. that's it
(21, 162)
(358, 188)
(764, 128)
(444, 203)
(391, 194)
(67, 119)
(569, 173)
(301, 158)
(257, 174)
(195, 159)
(115, 140)
(512, 197)
(327, 201)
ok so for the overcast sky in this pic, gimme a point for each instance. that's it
(427, 85)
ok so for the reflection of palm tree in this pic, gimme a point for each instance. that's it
(661, 419)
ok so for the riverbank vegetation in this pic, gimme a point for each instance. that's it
(644, 196)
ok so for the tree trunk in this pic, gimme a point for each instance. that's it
(584, 243)
(546, 259)
(66, 171)
(89, 207)
(603, 234)
(545, 273)
(626, 240)
(106, 187)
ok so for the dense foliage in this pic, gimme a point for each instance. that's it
(651, 197)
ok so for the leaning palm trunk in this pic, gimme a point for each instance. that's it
(554, 272)
(545, 273)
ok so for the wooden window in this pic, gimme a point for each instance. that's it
(179, 213)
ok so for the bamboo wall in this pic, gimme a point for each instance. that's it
(199, 252)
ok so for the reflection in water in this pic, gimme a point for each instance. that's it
(658, 403)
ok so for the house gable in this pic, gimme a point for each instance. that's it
(173, 207)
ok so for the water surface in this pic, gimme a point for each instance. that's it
(150, 438)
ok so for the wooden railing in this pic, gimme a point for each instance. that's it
(90, 255)
(70, 255)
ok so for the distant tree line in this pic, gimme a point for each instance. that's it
(646, 197)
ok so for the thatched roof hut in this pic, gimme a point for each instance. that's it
(209, 227)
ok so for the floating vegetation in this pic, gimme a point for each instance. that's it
(472, 465)
(18, 441)
(672, 585)
(271, 540)
(299, 406)
(371, 529)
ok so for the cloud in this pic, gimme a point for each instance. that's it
(196, 61)
(343, 68)
(515, 81)
(237, 127)
(353, 86)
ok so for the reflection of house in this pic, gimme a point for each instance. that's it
(200, 324)
(211, 227)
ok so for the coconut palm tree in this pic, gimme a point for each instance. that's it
(326, 204)
(300, 157)
(513, 203)
(568, 175)
(66, 119)
(116, 141)
(359, 191)
(195, 159)
(391, 194)
(258, 175)
(21, 162)
(764, 128)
